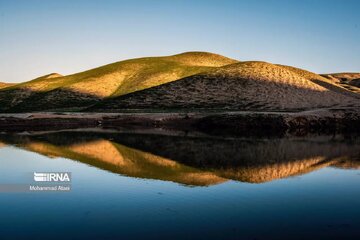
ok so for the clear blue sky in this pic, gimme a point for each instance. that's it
(40, 37)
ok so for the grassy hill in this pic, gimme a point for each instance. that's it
(350, 81)
(4, 85)
(192, 80)
(256, 86)
(73, 92)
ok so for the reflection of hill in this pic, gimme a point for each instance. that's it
(116, 158)
(196, 160)
(348, 164)
(250, 160)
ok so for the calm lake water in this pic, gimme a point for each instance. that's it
(167, 186)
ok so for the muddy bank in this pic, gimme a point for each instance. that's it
(214, 123)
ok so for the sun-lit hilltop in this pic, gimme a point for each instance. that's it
(83, 89)
(4, 85)
(239, 86)
(192, 80)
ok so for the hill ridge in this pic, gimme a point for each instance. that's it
(252, 85)
(88, 87)
(205, 80)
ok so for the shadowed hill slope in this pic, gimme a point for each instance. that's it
(241, 86)
(191, 80)
(350, 81)
(342, 76)
(79, 90)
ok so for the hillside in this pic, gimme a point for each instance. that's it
(4, 85)
(187, 81)
(343, 76)
(350, 81)
(256, 86)
(73, 92)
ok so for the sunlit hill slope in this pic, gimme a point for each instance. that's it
(4, 85)
(240, 86)
(192, 80)
(75, 91)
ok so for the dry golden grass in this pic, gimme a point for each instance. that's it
(252, 85)
(4, 85)
(348, 81)
(187, 80)
(202, 59)
(268, 73)
(41, 83)
(343, 76)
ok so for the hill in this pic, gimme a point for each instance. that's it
(4, 85)
(187, 81)
(350, 81)
(73, 92)
(255, 86)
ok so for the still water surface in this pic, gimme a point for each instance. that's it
(156, 186)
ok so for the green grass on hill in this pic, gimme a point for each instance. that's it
(110, 80)
(187, 80)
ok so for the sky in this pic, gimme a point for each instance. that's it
(40, 37)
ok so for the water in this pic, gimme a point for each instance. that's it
(156, 186)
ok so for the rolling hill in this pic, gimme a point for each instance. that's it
(255, 86)
(190, 81)
(4, 85)
(73, 92)
(350, 81)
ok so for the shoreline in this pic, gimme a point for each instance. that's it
(220, 122)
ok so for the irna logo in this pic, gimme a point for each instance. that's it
(52, 177)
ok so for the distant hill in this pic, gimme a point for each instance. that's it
(4, 85)
(350, 81)
(191, 80)
(258, 86)
(83, 89)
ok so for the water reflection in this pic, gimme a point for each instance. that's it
(193, 160)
